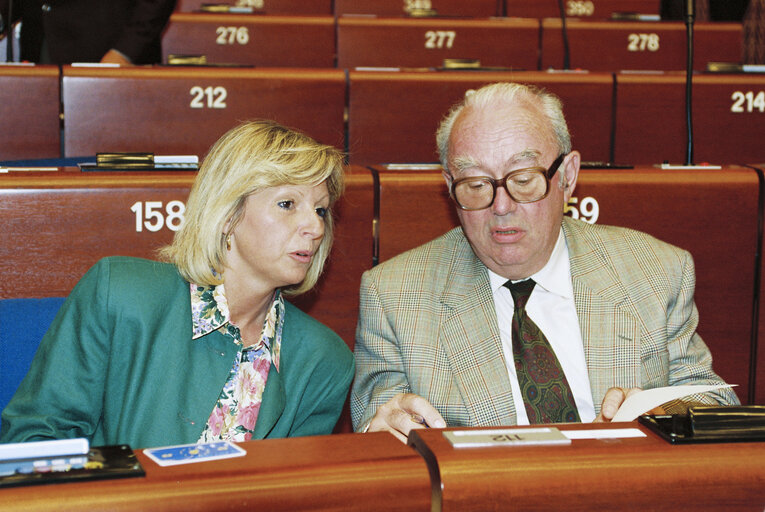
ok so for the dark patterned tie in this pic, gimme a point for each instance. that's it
(546, 393)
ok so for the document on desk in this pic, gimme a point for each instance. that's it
(643, 401)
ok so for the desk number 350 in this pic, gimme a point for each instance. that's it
(149, 215)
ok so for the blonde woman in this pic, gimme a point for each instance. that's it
(204, 346)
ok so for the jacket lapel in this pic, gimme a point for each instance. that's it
(608, 321)
(470, 338)
(272, 405)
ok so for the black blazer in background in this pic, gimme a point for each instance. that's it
(84, 30)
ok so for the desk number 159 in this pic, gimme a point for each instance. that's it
(149, 215)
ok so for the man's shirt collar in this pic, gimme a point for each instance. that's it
(554, 277)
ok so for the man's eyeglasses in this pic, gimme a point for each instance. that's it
(523, 185)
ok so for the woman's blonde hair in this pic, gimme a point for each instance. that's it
(250, 157)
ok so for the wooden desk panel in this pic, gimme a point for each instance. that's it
(474, 8)
(593, 9)
(673, 206)
(644, 473)
(393, 116)
(265, 6)
(728, 118)
(759, 363)
(185, 110)
(410, 42)
(251, 39)
(370, 472)
(414, 208)
(29, 123)
(614, 45)
(58, 225)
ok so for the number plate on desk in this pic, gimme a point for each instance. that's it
(505, 437)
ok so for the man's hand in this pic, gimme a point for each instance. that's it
(404, 412)
(613, 400)
(115, 57)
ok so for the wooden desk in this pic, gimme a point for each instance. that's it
(592, 9)
(426, 42)
(185, 110)
(393, 115)
(644, 473)
(370, 472)
(299, 7)
(617, 45)
(457, 8)
(251, 39)
(728, 118)
(29, 123)
(674, 206)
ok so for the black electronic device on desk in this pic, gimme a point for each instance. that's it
(65, 460)
(710, 424)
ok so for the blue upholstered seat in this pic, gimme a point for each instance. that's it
(23, 322)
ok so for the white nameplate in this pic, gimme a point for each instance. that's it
(505, 437)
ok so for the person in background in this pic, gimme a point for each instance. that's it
(204, 346)
(522, 315)
(121, 32)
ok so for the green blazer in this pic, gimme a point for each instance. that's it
(427, 325)
(118, 365)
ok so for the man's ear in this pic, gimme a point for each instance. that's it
(570, 170)
(447, 178)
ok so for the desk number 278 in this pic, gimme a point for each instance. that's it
(149, 215)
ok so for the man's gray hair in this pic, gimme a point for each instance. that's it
(493, 95)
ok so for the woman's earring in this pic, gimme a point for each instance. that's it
(228, 242)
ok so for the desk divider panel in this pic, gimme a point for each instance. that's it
(297, 7)
(759, 363)
(590, 9)
(728, 118)
(393, 115)
(185, 110)
(692, 209)
(452, 8)
(619, 45)
(29, 122)
(425, 42)
(252, 39)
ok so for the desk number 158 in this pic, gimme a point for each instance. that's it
(149, 215)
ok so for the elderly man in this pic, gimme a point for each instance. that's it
(521, 315)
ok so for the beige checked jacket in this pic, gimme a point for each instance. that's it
(427, 325)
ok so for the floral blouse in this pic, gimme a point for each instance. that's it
(235, 413)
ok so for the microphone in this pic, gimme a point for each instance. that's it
(564, 36)
(690, 15)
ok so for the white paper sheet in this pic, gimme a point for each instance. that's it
(645, 400)
(603, 433)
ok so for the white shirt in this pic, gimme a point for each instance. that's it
(551, 306)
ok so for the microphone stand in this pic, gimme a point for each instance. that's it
(690, 15)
